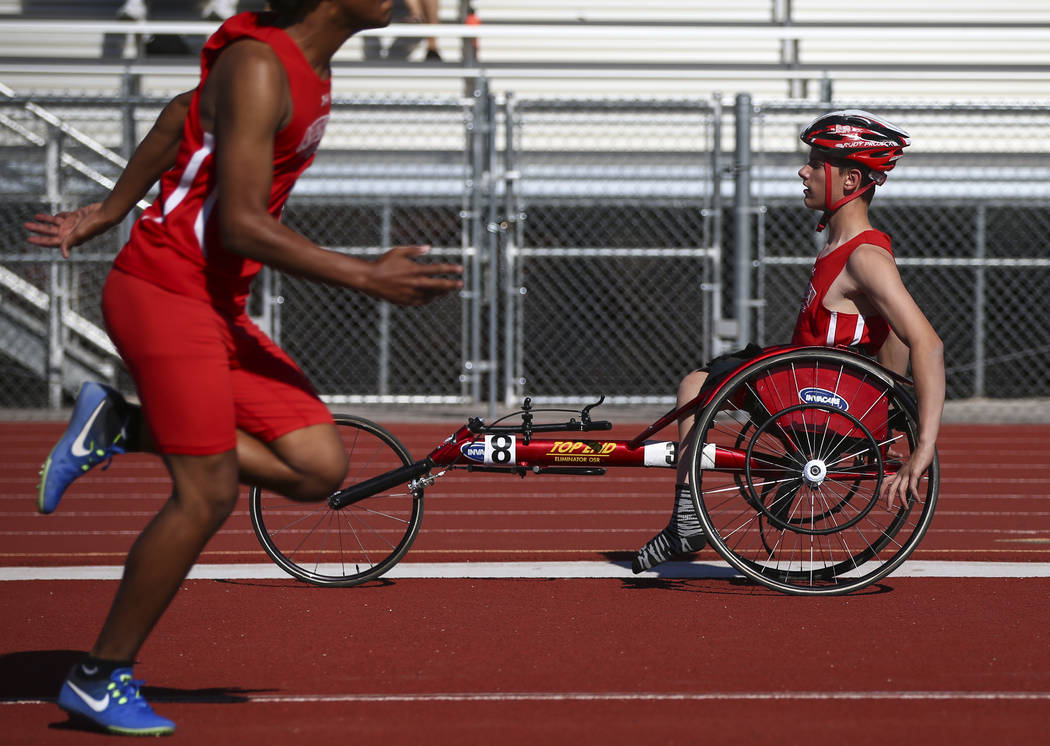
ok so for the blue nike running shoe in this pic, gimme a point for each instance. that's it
(114, 704)
(97, 430)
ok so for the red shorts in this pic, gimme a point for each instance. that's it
(202, 375)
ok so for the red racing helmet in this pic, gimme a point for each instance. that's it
(858, 136)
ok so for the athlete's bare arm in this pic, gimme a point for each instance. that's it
(876, 277)
(245, 102)
(894, 354)
(153, 156)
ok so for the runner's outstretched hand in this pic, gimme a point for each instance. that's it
(399, 278)
(67, 229)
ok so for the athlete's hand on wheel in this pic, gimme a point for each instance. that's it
(904, 485)
(399, 278)
(65, 230)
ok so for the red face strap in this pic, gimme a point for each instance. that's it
(830, 207)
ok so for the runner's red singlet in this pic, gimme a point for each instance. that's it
(176, 243)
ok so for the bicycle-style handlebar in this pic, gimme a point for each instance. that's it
(572, 426)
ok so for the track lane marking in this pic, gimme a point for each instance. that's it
(533, 570)
(800, 696)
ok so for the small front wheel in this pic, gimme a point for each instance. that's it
(346, 546)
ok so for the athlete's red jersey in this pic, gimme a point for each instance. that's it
(816, 325)
(176, 243)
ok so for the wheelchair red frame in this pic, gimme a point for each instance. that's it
(796, 443)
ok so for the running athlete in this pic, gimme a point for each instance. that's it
(855, 298)
(227, 155)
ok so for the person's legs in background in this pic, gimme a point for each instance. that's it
(426, 11)
(212, 10)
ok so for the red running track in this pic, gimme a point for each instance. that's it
(924, 660)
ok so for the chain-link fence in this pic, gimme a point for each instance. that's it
(603, 240)
(617, 251)
(400, 177)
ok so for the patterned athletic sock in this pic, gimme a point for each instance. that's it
(681, 536)
(684, 519)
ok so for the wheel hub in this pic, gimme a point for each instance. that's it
(814, 472)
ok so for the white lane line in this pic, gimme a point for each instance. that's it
(537, 570)
(786, 696)
(487, 512)
(488, 532)
(656, 696)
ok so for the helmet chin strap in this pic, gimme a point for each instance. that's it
(830, 206)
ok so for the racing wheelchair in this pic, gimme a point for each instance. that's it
(791, 450)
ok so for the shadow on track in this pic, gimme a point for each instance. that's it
(37, 675)
(708, 578)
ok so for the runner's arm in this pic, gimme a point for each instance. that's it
(154, 155)
(247, 91)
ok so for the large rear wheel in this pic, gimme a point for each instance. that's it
(807, 438)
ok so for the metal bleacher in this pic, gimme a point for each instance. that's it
(771, 48)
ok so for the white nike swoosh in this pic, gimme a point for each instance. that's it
(78, 445)
(98, 705)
